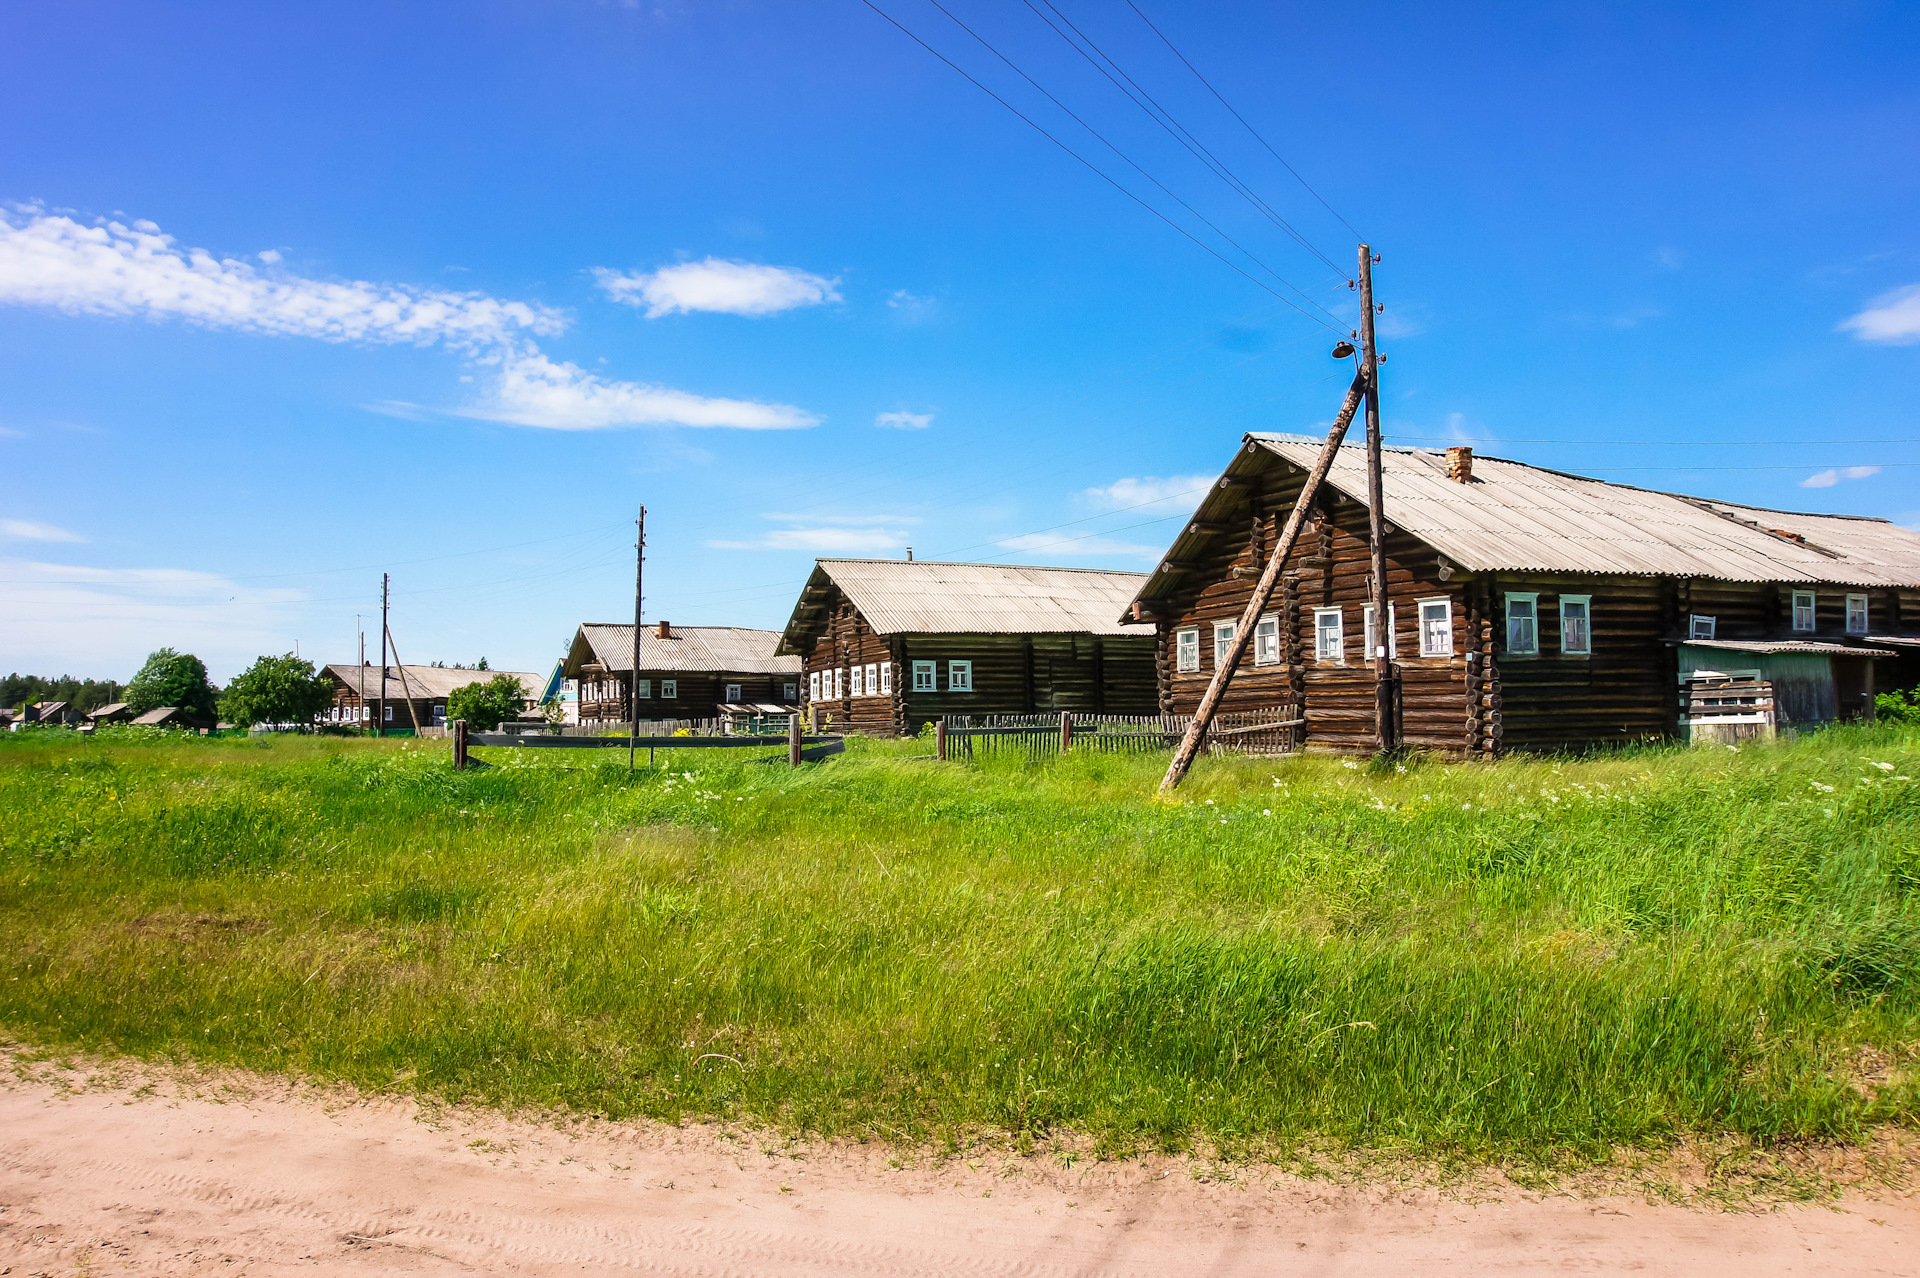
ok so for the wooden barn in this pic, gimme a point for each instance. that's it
(1528, 608)
(357, 693)
(686, 672)
(892, 644)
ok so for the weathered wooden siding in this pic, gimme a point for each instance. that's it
(699, 695)
(1012, 674)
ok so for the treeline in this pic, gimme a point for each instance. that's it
(17, 690)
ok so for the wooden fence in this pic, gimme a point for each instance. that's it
(799, 747)
(1264, 732)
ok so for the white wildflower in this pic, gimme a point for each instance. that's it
(1884, 767)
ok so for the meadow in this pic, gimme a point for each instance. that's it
(1543, 958)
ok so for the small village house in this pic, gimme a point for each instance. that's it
(167, 717)
(414, 694)
(112, 712)
(53, 714)
(1528, 608)
(890, 645)
(686, 672)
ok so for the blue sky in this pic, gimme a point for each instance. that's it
(293, 294)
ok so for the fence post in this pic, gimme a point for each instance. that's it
(459, 745)
(1066, 731)
(940, 738)
(793, 739)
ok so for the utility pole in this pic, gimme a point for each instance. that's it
(380, 714)
(633, 677)
(1382, 654)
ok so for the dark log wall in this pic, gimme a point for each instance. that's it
(1012, 674)
(698, 694)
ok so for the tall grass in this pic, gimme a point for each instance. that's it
(1535, 956)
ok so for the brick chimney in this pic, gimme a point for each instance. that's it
(1460, 465)
(666, 631)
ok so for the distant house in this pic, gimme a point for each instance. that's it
(114, 712)
(686, 672)
(167, 717)
(357, 693)
(892, 644)
(53, 713)
(1528, 608)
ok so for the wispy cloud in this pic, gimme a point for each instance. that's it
(137, 271)
(837, 540)
(908, 309)
(1891, 319)
(1398, 322)
(903, 421)
(729, 288)
(104, 620)
(1828, 478)
(1669, 258)
(868, 520)
(1075, 547)
(27, 530)
(1174, 492)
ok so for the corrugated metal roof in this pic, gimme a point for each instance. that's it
(927, 597)
(1777, 647)
(1517, 518)
(691, 649)
(427, 682)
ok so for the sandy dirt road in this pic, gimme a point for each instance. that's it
(258, 1177)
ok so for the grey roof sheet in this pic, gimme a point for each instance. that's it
(1516, 517)
(898, 596)
(112, 707)
(427, 683)
(691, 649)
(158, 716)
(1776, 647)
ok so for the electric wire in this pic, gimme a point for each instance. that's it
(1243, 120)
(1097, 171)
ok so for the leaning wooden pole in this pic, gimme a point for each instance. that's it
(1263, 590)
(406, 689)
(1382, 654)
(633, 676)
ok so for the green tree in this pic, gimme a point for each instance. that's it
(280, 689)
(484, 705)
(173, 679)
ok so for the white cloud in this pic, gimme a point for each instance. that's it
(1054, 543)
(1892, 319)
(1175, 492)
(870, 520)
(269, 256)
(903, 421)
(909, 309)
(823, 540)
(1828, 478)
(27, 530)
(533, 390)
(103, 622)
(730, 288)
(135, 270)
(1669, 258)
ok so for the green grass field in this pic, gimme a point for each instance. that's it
(1539, 958)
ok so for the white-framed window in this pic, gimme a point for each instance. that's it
(1699, 627)
(1576, 625)
(789, 692)
(1223, 632)
(669, 689)
(1393, 630)
(886, 678)
(923, 676)
(959, 676)
(873, 681)
(389, 710)
(1266, 641)
(1803, 611)
(1436, 627)
(439, 714)
(733, 694)
(813, 685)
(1523, 624)
(643, 689)
(1186, 648)
(858, 685)
(839, 682)
(1329, 635)
(1856, 614)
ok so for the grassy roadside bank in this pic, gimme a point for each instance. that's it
(1528, 959)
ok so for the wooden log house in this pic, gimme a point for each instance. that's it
(1529, 608)
(686, 672)
(357, 692)
(890, 645)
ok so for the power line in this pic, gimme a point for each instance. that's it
(1138, 95)
(1663, 443)
(1243, 120)
(1097, 171)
